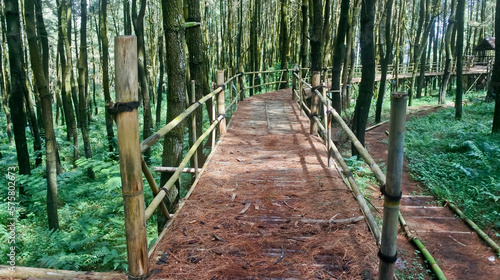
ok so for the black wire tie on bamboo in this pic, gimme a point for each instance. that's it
(387, 259)
(389, 197)
(313, 115)
(120, 107)
(319, 88)
(195, 103)
(130, 277)
(221, 86)
(223, 116)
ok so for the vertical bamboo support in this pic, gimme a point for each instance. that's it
(126, 81)
(241, 83)
(324, 109)
(221, 105)
(315, 82)
(230, 75)
(328, 133)
(392, 189)
(193, 127)
(214, 132)
(294, 83)
(301, 97)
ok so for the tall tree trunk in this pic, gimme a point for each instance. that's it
(385, 56)
(496, 74)
(83, 82)
(127, 24)
(67, 76)
(173, 24)
(284, 44)
(316, 15)
(460, 50)
(105, 72)
(46, 99)
(138, 20)
(159, 91)
(449, 54)
(367, 43)
(5, 82)
(18, 85)
(304, 32)
(196, 46)
(339, 49)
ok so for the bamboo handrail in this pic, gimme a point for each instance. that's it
(264, 72)
(148, 142)
(473, 225)
(173, 169)
(232, 78)
(22, 272)
(170, 183)
(266, 84)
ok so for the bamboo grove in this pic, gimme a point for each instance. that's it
(56, 72)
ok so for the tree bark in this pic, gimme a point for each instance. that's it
(304, 34)
(339, 49)
(105, 72)
(46, 99)
(159, 91)
(83, 82)
(18, 85)
(316, 15)
(284, 44)
(367, 43)
(196, 46)
(449, 55)
(496, 74)
(459, 50)
(138, 20)
(173, 23)
(385, 57)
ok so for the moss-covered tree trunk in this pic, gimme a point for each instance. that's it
(367, 43)
(196, 46)
(316, 16)
(173, 24)
(46, 99)
(18, 84)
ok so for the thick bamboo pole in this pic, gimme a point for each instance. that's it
(126, 81)
(294, 83)
(221, 102)
(193, 127)
(328, 134)
(173, 169)
(315, 82)
(230, 84)
(392, 189)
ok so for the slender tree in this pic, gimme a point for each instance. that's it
(367, 44)
(18, 84)
(46, 99)
(385, 50)
(496, 73)
(459, 50)
(316, 15)
(339, 51)
(284, 43)
(304, 34)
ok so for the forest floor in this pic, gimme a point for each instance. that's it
(262, 207)
(458, 250)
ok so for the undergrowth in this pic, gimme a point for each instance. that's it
(459, 160)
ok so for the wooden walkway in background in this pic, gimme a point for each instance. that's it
(261, 208)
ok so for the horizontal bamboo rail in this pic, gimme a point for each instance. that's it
(170, 183)
(21, 272)
(173, 169)
(264, 72)
(473, 225)
(266, 84)
(147, 143)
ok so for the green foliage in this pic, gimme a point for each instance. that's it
(459, 160)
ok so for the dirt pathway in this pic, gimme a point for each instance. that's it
(459, 251)
(257, 211)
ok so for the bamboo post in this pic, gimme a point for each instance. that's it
(301, 98)
(315, 82)
(328, 133)
(325, 109)
(294, 83)
(392, 189)
(193, 126)
(213, 136)
(221, 106)
(126, 81)
(230, 75)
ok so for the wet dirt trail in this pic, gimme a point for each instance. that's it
(458, 250)
(262, 207)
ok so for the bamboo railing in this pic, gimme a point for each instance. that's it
(332, 150)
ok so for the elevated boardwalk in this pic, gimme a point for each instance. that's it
(261, 208)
